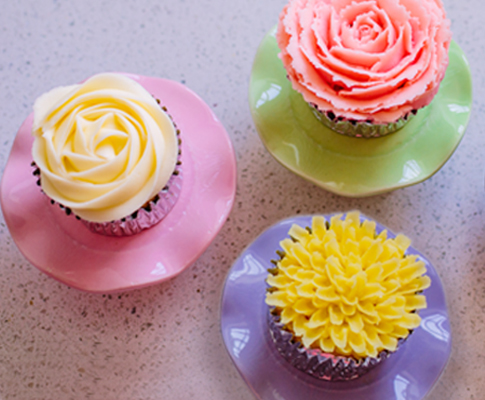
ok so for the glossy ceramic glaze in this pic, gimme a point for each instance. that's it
(357, 167)
(65, 249)
(409, 374)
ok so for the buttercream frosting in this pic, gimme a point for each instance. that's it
(344, 289)
(365, 59)
(104, 147)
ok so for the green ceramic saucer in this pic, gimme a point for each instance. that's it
(357, 167)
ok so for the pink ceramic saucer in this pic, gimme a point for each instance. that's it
(65, 249)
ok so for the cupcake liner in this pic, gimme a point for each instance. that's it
(360, 129)
(147, 216)
(315, 362)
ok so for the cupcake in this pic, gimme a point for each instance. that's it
(364, 66)
(342, 297)
(107, 152)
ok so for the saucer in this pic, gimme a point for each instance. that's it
(409, 374)
(65, 249)
(357, 167)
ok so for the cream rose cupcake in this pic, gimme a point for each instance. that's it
(342, 297)
(107, 152)
(365, 66)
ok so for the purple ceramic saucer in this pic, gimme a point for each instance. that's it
(409, 374)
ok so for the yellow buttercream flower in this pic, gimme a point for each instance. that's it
(344, 289)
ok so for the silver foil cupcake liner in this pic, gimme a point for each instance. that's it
(147, 216)
(315, 362)
(360, 129)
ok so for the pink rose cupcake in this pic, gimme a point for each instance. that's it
(107, 152)
(365, 66)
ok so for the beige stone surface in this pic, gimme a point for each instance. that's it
(164, 341)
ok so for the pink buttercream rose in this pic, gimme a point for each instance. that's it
(371, 60)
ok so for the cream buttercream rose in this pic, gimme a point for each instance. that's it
(365, 60)
(104, 147)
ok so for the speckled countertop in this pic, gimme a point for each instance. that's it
(164, 341)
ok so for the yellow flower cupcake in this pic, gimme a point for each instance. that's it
(343, 297)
